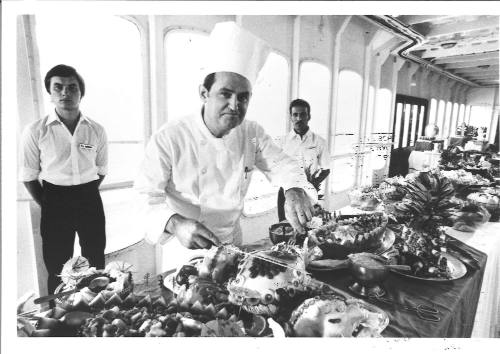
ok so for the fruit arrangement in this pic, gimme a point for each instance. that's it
(428, 205)
(97, 288)
(348, 234)
(489, 200)
(423, 252)
(220, 295)
(470, 216)
(393, 188)
(366, 198)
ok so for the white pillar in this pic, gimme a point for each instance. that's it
(338, 28)
(369, 39)
(494, 118)
(294, 73)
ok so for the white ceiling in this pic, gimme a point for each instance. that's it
(465, 46)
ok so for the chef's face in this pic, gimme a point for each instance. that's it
(300, 119)
(65, 93)
(226, 103)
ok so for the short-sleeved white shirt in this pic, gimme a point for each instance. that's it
(51, 153)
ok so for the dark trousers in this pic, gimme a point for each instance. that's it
(66, 210)
(281, 205)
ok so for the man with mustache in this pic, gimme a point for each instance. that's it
(199, 167)
(64, 160)
(307, 147)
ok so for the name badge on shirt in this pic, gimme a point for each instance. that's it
(86, 146)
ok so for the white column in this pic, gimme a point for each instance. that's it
(455, 89)
(422, 80)
(494, 118)
(412, 69)
(294, 73)
(380, 58)
(396, 67)
(433, 94)
(369, 39)
(338, 28)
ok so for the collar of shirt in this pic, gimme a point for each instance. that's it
(54, 117)
(293, 135)
(218, 143)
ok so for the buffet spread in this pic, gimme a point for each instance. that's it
(398, 227)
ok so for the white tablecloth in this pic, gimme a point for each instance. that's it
(487, 240)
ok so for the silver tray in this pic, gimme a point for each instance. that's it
(457, 269)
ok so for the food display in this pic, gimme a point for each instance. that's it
(461, 178)
(423, 252)
(470, 216)
(330, 316)
(366, 198)
(348, 234)
(488, 200)
(226, 293)
(393, 188)
(428, 205)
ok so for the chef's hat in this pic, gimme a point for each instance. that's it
(234, 49)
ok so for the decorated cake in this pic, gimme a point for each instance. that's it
(348, 234)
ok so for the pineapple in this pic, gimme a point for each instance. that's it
(427, 207)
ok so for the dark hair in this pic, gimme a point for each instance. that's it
(209, 81)
(64, 71)
(300, 103)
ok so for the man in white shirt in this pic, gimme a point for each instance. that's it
(64, 160)
(199, 167)
(309, 149)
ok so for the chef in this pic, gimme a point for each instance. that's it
(199, 167)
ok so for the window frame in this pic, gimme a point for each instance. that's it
(146, 102)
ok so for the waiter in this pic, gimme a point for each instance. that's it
(64, 160)
(308, 148)
(199, 167)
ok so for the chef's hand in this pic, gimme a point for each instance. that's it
(191, 233)
(298, 208)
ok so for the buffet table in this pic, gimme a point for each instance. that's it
(455, 300)
(487, 240)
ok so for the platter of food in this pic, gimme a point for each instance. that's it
(455, 269)
(349, 234)
(330, 316)
(227, 292)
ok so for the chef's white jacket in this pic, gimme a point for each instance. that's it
(190, 172)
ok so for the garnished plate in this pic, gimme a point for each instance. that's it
(456, 268)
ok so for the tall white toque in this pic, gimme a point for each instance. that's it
(234, 49)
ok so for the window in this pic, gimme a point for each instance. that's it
(433, 111)
(107, 53)
(269, 102)
(268, 107)
(409, 120)
(343, 174)
(314, 87)
(461, 114)
(480, 117)
(183, 50)
(454, 119)
(467, 114)
(440, 116)
(348, 112)
(447, 120)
